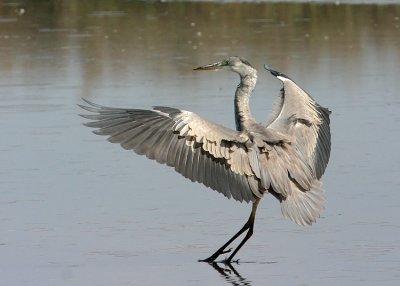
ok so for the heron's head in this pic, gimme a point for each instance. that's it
(236, 64)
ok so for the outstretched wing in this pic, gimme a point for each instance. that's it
(306, 122)
(198, 149)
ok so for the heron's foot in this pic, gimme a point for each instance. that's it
(228, 261)
(208, 260)
(212, 258)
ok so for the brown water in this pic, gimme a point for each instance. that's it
(76, 210)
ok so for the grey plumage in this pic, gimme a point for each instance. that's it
(286, 157)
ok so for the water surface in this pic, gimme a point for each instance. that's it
(76, 210)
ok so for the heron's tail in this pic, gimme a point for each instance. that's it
(304, 207)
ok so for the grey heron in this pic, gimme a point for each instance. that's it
(285, 157)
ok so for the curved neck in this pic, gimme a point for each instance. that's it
(243, 116)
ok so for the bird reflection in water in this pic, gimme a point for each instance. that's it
(230, 274)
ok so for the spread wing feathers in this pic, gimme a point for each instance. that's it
(304, 207)
(198, 149)
(299, 116)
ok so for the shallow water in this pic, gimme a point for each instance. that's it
(76, 210)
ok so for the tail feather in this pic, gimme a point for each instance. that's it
(304, 207)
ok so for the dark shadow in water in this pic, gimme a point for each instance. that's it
(231, 274)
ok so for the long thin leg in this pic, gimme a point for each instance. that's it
(222, 250)
(247, 226)
(246, 238)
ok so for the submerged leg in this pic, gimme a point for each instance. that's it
(247, 226)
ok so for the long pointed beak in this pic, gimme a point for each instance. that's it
(272, 71)
(214, 66)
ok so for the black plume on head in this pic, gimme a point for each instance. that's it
(246, 62)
